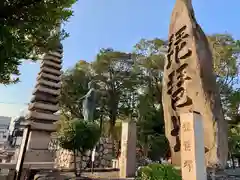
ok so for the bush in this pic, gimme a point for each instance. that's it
(155, 142)
(78, 135)
(158, 172)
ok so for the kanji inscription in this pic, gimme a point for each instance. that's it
(177, 49)
(186, 127)
(178, 53)
(175, 87)
(175, 132)
(187, 146)
(188, 164)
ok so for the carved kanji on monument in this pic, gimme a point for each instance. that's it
(190, 85)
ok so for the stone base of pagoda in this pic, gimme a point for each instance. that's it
(38, 144)
(29, 165)
(39, 156)
(38, 140)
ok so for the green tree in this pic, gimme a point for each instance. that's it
(78, 136)
(27, 31)
(226, 51)
(150, 64)
(112, 72)
(150, 58)
(74, 86)
(234, 142)
(150, 128)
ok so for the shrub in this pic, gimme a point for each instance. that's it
(157, 171)
(78, 136)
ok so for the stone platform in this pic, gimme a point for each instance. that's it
(29, 165)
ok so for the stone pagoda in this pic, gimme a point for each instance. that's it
(40, 121)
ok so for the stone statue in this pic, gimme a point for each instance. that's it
(189, 84)
(89, 102)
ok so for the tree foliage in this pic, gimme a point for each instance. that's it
(150, 64)
(27, 31)
(78, 136)
(234, 139)
(74, 86)
(158, 171)
(226, 51)
(113, 74)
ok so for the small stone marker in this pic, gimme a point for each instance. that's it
(192, 147)
(127, 161)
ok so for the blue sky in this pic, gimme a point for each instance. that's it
(119, 24)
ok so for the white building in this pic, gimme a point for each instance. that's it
(16, 131)
(4, 132)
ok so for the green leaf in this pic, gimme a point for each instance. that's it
(26, 32)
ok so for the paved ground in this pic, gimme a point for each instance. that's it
(113, 174)
(97, 175)
(232, 174)
(229, 174)
(233, 171)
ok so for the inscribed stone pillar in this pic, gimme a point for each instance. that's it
(192, 149)
(189, 84)
(127, 163)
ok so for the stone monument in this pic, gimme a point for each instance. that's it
(192, 149)
(127, 161)
(189, 84)
(42, 114)
(43, 107)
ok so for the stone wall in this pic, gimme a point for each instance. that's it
(103, 156)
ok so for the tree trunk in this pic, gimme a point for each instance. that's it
(80, 166)
(113, 148)
(145, 148)
(111, 130)
(233, 162)
(232, 159)
(75, 163)
(101, 124)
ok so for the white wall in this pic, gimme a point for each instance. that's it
(4, 132)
